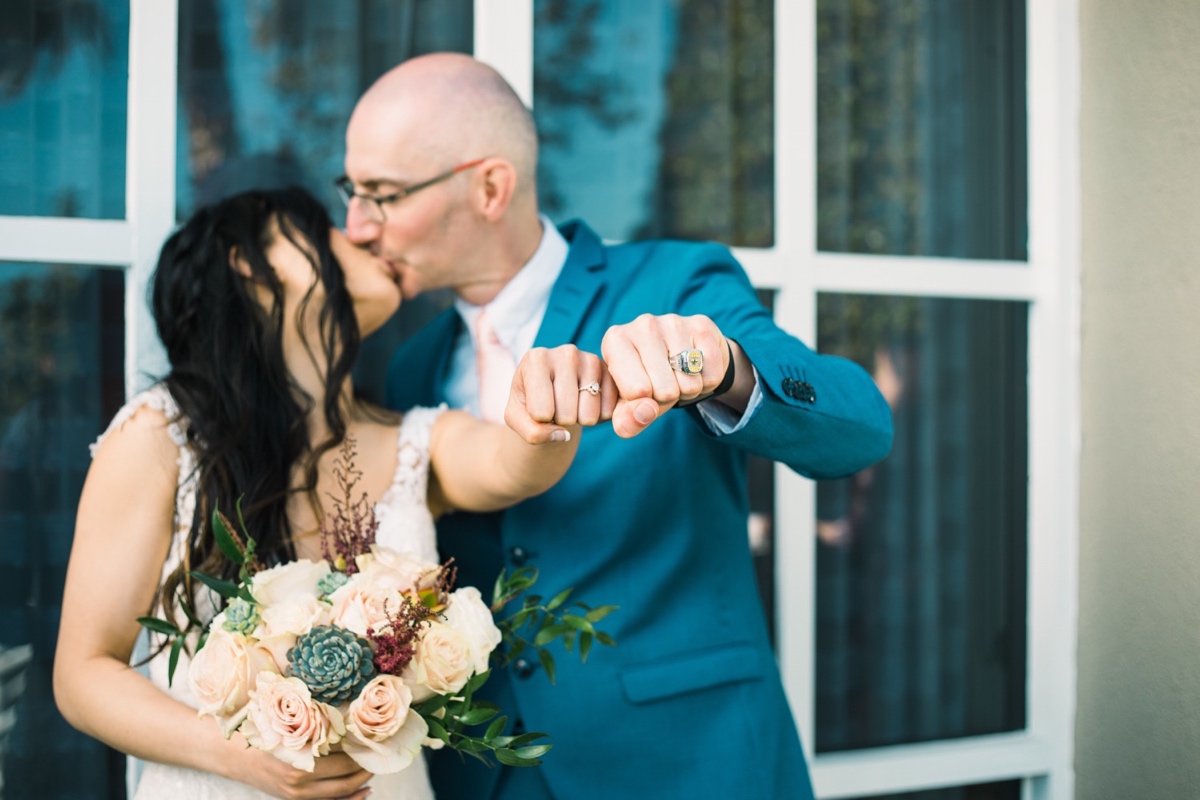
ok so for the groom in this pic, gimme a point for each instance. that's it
(441, 161)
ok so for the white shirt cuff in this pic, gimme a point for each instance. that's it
(722, 419)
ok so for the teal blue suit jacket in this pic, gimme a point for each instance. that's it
(690, 702)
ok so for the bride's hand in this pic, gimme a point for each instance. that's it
(335, 777)
(558, 388)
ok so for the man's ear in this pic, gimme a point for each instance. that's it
(496, 189)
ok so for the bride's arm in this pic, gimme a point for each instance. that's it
(122, 533)
(480, 466)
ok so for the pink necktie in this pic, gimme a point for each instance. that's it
(496, 369)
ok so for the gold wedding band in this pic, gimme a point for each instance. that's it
(592, 388)
(689, 362)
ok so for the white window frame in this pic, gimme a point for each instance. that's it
(1043, 753)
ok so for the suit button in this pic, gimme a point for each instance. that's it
(523, 668)
(518, 555)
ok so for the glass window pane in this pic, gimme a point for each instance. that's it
(921, 134)
(1007, 790)
(921, 559)
(266, 87)
(64, 76)
(656, 118)
(62, 342)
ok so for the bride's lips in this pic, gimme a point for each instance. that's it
(393, 269)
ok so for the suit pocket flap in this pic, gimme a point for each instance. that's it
(644, 683)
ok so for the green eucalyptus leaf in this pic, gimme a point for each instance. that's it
(578, 623)
(559, 599)
(437, 730)
(159, 626)
(526, 738)
(498, 589)
(221, 587)
(604, 639)
(225, 540)
(494, 729)
(174, 659)
(510, 758)
(547, 663)
(585, 646)
(476, 716)
(599, 613)
(549, 634)
(477, 680)
(534, 751)
(438, 701)
(568, 638)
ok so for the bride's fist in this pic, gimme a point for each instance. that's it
(557, 389)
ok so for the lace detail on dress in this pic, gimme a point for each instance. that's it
(159, 398)
(405, 524)
(410, 484)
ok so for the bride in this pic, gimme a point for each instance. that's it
(261, 304)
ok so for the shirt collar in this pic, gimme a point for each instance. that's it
(527, 293)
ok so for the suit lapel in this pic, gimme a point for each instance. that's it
(577, 286)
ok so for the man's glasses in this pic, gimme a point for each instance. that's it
(373, 203)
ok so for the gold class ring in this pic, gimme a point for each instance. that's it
(689, 362)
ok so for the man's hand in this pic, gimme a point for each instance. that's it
(638, 355)
(559, 388)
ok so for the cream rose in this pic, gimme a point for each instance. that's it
(361, 604)
(284, 621)
(284, 720)
(221, 675)
(470, 616)
(274, 585)
(441, 663)
(386, 567)
(383, 734)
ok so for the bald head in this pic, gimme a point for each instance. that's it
(448, 108)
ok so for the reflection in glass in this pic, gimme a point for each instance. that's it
(61, 380)
(1008, 790)
(921, 128)
(266, 88)
(63, 88)
(656, 118)
(921, 559)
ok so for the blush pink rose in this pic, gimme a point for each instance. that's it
(221, 675)
(287, 619)
(274, 585)
(361, 604)
(401, 571)
(283, 719)
(383, 734)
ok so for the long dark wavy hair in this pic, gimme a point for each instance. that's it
(246, 415)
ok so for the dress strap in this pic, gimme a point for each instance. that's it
(157, 397)
(410, 484)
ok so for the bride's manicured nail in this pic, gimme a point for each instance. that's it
(560, 436)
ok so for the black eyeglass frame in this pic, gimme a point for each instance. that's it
(345, 189)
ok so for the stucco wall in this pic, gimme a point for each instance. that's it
(1138, 723)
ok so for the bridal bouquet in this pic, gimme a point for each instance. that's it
(369, 651)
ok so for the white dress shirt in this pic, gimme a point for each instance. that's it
(516, 315)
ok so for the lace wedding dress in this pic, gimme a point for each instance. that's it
(405, 524)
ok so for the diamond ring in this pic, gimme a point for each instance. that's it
(592, 388)
(689, 362)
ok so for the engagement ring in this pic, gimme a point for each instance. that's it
(689, 362)
(592, 388)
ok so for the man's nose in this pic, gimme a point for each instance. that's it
(360, 228)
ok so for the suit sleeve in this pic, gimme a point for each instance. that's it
(821, 415)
